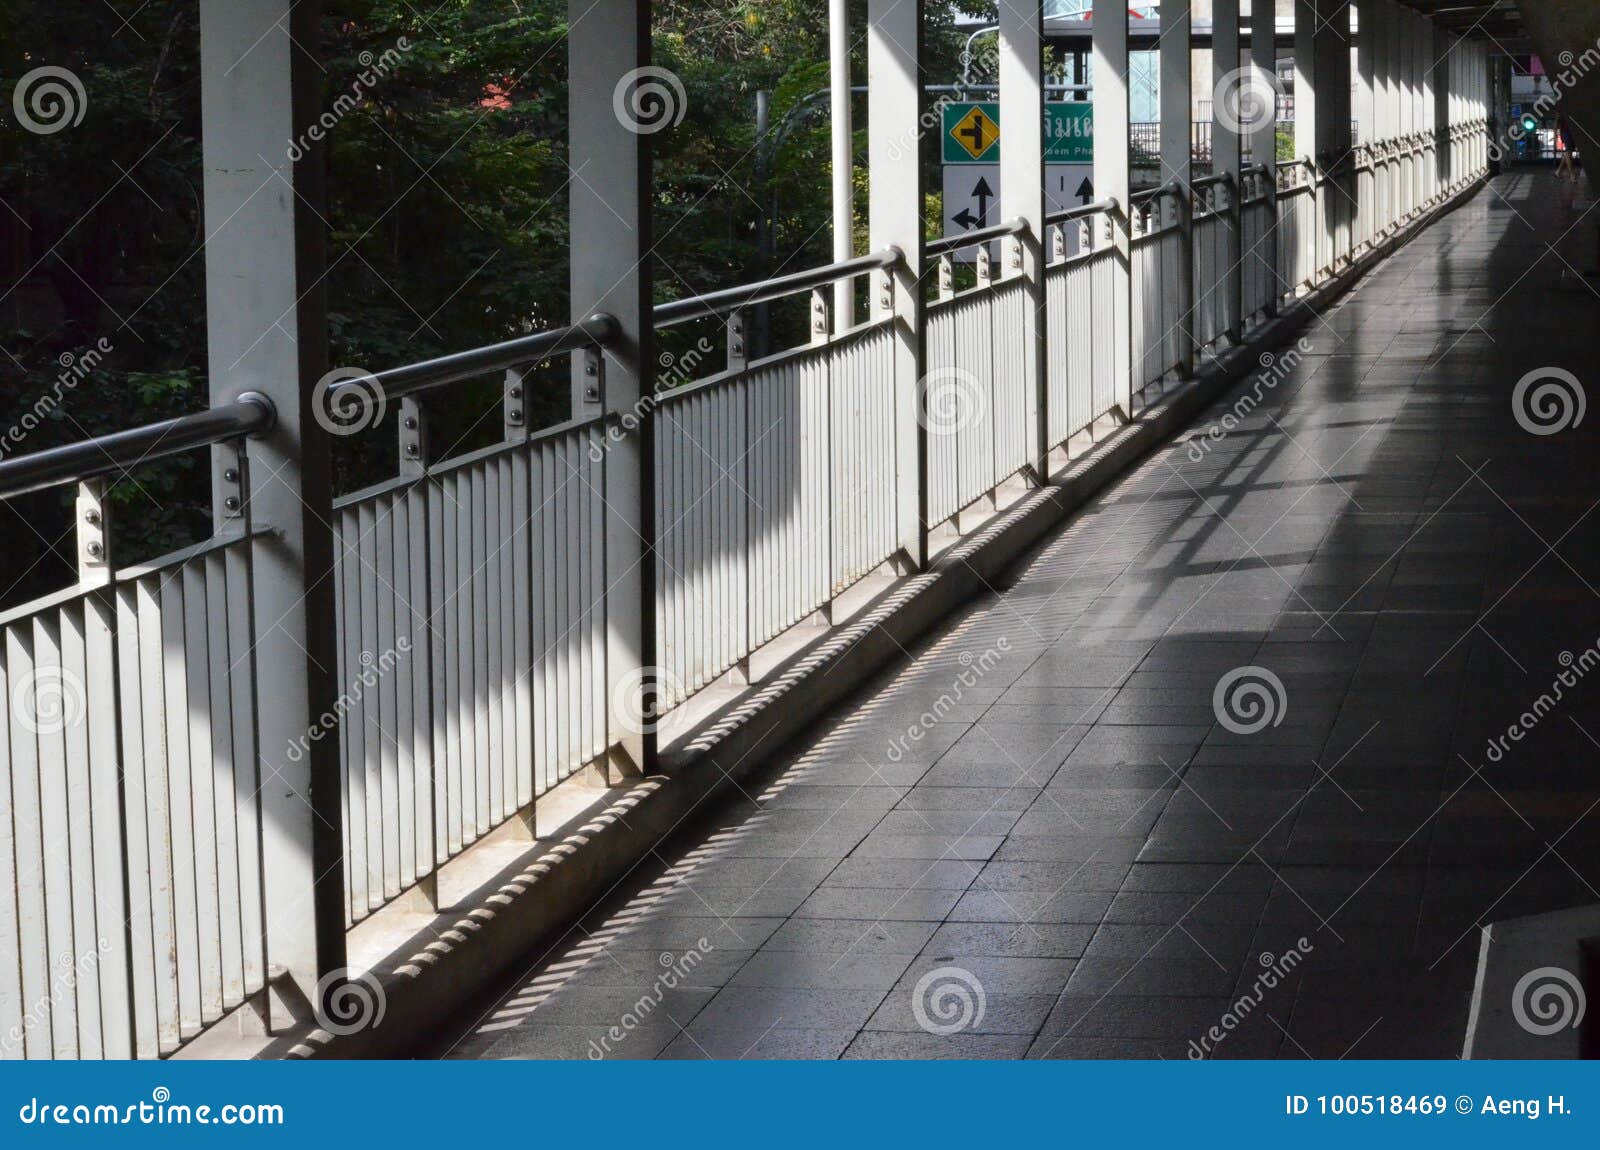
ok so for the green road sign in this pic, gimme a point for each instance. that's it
(1069, 133)
(972, 133)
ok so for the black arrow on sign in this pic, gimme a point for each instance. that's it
(966, 219)
(1085, 191)
(983, 193)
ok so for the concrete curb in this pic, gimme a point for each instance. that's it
(436, 976)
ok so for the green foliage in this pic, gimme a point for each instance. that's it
(446, 203)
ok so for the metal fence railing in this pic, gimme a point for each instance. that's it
(471, 600)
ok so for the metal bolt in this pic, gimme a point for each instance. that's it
(95, 550)
(411, 423)
(589, 369)
(231, 474)
(516, 415)
(92, 517)
(231, 503)
(738, 349)
(413, 450)
(515, 392)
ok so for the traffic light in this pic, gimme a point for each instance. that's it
(1530, 122)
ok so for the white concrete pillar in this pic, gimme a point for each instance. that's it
(1365, 114)
(1397, 121)
(1225, 159)
(895, 205)
(843, 151)
(1264, 138)
(608, 47)
(1177, 161)
(1441, 104)
(1022, 196)
(267, 332)
(1113, 179)
(1332, 82)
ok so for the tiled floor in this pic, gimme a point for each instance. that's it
(1043, 804)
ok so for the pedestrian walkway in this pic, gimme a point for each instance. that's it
(1226, 766)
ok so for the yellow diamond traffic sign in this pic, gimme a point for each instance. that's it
(974, 134)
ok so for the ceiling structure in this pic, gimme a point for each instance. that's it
(1497, 21)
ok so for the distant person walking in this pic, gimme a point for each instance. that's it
(1564, 167)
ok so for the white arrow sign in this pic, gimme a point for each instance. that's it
(972, 198)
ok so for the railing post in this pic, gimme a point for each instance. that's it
(1022, 197)
(1113, 179)
(895, 206)
(1225, 161)
(1177, 159)
(94, 534)
(513, 406)
(266, 328)
(609, 133)
(821, 317)
(1264, 137)
(738, 342)
(413, 431)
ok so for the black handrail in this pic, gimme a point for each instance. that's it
(254, 414)
(250, 414)
(746, 295)
(954, 243)
(1107, 205)
(596, 331)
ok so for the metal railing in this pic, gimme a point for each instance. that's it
(774, 478)
(130, 749)
(1084, 337)
(471, 600)
(975, 390)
